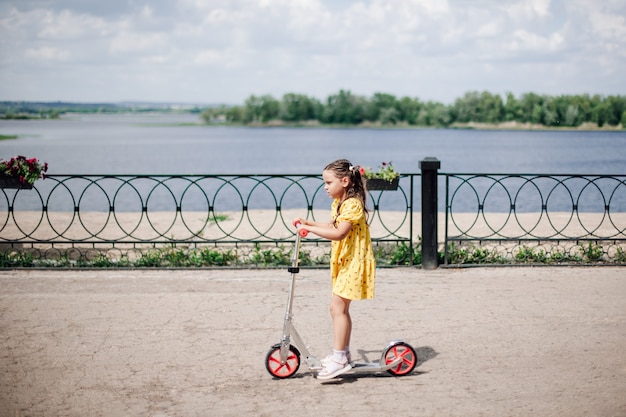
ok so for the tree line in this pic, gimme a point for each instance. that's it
(53, 110)
(346, 108)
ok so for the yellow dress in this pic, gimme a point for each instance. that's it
(352, 263)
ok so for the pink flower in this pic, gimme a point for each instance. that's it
(26, 170)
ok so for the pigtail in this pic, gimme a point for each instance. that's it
(359, 187)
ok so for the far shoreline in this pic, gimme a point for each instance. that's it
(505, 126)
(315, 124)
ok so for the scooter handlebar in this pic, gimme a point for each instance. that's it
(301, 232)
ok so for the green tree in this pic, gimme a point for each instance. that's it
(382, 102)
(345, 108)
(560, 105)
(467, 108)
(532, 108)
(601, 113)
(440, 115)
(211, 114)
(491, 108)
(261, 109)
(409, 110)
(550, 116)
(616, 106)
(298, 107)
(513, 109)
(434, 114)
(536, 116)
(235, 114)
(571, 117)
(223, 114)
(389, 116)
(584, 105)
(478, 107)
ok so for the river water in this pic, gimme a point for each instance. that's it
(178, 144)
(158, 144)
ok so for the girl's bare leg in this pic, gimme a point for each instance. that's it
(339, 362)
(342, 322)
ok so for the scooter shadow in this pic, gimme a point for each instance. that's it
(424, 354)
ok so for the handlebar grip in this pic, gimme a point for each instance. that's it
(301, 232)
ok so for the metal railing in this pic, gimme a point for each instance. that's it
(181, 209)
(484, 218)
(83, 216)
(535, 218)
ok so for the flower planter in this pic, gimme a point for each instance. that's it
(379, 184)
(13, 182)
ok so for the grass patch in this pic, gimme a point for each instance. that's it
(270, 255)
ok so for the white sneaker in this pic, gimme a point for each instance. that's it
(333, 369)
(325, 361)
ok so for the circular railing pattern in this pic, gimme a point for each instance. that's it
(162, 208)
(535, 207)
(524, 218)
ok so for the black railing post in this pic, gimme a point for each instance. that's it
(429, 167)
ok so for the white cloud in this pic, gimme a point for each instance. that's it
(66, 25)
(609, 26)
(430, 49)
(208, 56)
(133, 42)
(524, 40)
(529, 9)
(47, 53)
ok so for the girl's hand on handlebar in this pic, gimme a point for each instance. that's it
(298, 221)
(302, 231)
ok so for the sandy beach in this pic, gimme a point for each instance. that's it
(545, 341)
(258, 224)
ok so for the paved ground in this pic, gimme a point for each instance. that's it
(491, 342)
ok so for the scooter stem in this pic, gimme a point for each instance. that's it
(287, 326)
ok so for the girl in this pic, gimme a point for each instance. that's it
(352, 264)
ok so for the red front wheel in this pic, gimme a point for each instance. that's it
(400, 350)
(281, 370)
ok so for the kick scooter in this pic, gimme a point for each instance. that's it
(284, 358)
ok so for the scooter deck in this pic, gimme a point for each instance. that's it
(369, 367)
(360, 367)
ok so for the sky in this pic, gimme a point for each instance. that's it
(224, 51)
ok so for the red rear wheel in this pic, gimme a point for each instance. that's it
(282, 370)
(404, 351)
